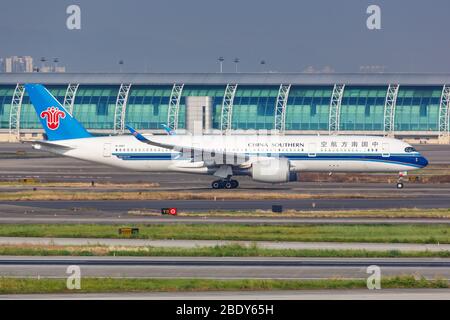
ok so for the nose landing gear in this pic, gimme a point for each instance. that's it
(225, 184)
(401, 175)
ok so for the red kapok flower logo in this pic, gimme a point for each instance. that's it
(52, 114)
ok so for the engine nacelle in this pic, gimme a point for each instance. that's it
(272, 171)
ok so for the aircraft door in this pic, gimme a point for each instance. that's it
(385, 150)
(107, 150)
(312, 149)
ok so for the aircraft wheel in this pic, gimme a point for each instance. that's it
(216, 184)
(400, 185)
(234, 184)
(228, 184)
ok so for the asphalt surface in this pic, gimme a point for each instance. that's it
(212, 243)
(47, 167)
(221, 268)
(356, 294)
(85, 218)
(59, 169)
(122, 207)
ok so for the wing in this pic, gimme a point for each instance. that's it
(208, 156)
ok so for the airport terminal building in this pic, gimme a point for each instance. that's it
(408, 106)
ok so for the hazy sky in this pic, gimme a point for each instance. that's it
(189, 35)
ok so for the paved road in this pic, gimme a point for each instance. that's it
(356, 294)
(213, 243)
(221, 268)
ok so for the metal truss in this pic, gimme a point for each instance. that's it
(335, 108)
(444, 112)
(227, 108)
(280, 108)
(174, 106)
(69, 98)
(121, 108)
(16, 106)
(389, 109)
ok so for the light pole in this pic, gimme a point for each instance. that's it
(55, 61)
(221, 60)
(262, 63)
(120, 65)
(236, 61)
(43, 63)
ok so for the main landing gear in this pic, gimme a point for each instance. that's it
(225, 184)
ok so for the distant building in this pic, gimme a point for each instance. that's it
(16, 64)
(19, 64)
(46, 69)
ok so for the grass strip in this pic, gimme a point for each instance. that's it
(97, 285)
(231, 250)
(97, 185)
(386, 213)
(413, 233)
(43, 195)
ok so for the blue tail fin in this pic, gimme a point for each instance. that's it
(169, 131)
(58, 123)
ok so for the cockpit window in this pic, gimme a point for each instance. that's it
(410, 149)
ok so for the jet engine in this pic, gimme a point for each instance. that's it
(272, 171)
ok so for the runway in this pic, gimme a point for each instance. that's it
(222, 268)
(192, 244)
(334, 294)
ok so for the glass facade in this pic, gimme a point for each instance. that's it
(362, 107)
(254, 107)
(6, 93)
(417, 108)
(94, 106)
(308, 108)
(147, 106)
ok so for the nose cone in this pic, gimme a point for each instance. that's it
(423, 161)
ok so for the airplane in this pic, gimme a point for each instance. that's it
(168, 130)
(269, 158)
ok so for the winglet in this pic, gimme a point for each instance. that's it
(143, 139)
(169, 131)
(136, 134)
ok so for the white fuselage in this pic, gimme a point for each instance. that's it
(305, 153)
